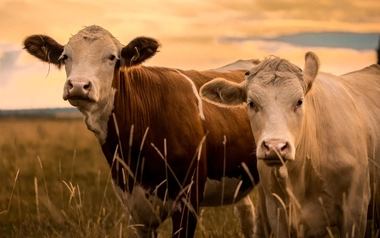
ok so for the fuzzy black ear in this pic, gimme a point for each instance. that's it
(139, 50)
(44, 48)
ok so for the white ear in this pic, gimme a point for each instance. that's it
(224, 93)
(310, 70)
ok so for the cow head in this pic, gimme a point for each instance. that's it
(90, 59)
(274, 91)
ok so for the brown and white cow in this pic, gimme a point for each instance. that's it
(168, 150)
(318, 141)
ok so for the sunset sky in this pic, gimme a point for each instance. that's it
(196, 34)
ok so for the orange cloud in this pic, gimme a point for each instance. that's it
(188, 30)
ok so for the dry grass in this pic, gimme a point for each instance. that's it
(54, 183)
(54, 178)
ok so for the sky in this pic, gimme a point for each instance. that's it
(196, 34)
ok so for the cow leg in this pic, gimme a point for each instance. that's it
(184, 223)
(355, 209)
(141, 220)
(245, 211)
(185, 219)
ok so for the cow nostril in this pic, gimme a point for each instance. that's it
(284, 148)
(265, 146)
(70, 84)
(87, 86)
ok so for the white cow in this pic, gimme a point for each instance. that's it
(318, 142)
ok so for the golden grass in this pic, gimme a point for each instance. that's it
(54, 178)
(54, 183)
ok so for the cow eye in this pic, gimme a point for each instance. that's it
(112, 57)
(252, 106)
(300, 102)
(246, 73)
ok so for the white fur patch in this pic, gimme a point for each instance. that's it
(195, 90)
(145, 208)
(97, 116)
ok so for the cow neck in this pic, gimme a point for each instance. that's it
(128, 112)
(96, 117)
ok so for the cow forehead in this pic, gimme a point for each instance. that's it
(277, 76)
(92, 33)
(274, 70)
(273, 81)
(93, 36)
(267, 92)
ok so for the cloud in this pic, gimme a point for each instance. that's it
(356, 41)
(22, 18)
(33, 85)
(185, 21)
(8, 63)
(190, 32)
(316, 10)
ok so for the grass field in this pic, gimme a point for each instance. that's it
(55, 183)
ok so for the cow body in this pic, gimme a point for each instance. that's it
(169, 151)
(318, 145)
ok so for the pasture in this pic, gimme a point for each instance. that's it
(55, 182)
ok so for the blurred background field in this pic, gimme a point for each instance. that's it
(55, 183)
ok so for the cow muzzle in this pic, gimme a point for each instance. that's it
(77, 92)
(274, 152)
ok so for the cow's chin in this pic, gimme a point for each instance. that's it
(274, 162)
(80, 102)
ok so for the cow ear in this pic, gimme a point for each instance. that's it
(224, 93)
(44, 48)
(310, 70)
(139, 50)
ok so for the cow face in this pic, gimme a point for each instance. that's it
(90, 58)
(274, 92)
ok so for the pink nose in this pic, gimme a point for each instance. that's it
(275, 148)
(78, 88)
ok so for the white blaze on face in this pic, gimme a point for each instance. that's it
(90, 59)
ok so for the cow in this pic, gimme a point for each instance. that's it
(318, 145)
(169, 151)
